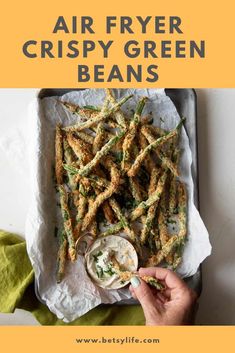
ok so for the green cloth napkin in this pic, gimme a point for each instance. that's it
(17, 291)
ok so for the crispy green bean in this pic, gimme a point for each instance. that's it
(61, 257)
(80, 148)
(131, 133)
(182, 211)
(100, 138)
(113, 187)
(80, 203)
(112, 230)
(164, 252)
(166, 162)
(149, 163)
(68, 157)
(163, 229)
(173, 187)
(108, 212)
(121, 217)
(154, 198)
(101, 116)
(148, 224)
(118, 114)
(100, 154)
(67, 222)
(85, 137)
(85, 112)
(152, 146)
(93, 226)
(59, 155)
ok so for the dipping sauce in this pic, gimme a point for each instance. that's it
(99, 261)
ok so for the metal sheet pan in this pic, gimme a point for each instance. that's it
(185, 101)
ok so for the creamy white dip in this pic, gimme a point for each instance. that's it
(99, 263)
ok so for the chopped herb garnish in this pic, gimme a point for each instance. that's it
(97, 255)
(100, 272)
(110, 271)
(92, 107)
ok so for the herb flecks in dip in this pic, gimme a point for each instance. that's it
(100, 265)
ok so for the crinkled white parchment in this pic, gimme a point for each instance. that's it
(76, 295)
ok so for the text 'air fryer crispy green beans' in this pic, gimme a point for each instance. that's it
(118, 173)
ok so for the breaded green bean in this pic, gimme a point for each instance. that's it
(101, 182)
(154, 198)
(148, 224)
(79, 147)
(152, 146)
(163, 229)
(182, 194)
(80, 203)
(67, 222)
(108, 212)
(156, 130)
(176, 241)
(177, 260)
(101, 116)
(86, 113)
(130, 135)
(85, 137)
(121, 217)
(127, 275)
(173, 186)
(137, 194)
(135, 190)
(100, 154)
(69, 159)
(93, 227)
(112, 230)
(59, 155)
(164, 252)
(115, 181)
(61, 257)
(166, 162)
(162, 225)
(118, 114)
(149, 163)
(100, 138)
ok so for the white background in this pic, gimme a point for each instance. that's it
(216, 140)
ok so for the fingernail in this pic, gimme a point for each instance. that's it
(135, 282)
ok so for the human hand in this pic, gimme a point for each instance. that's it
(172, 306)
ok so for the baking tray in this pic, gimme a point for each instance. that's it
(185, 101)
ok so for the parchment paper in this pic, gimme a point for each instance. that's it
(76, 295)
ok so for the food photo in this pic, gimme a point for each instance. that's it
(113, 233)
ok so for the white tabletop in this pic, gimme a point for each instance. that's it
(216, 139)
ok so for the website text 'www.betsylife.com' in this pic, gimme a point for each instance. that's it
(118, 340)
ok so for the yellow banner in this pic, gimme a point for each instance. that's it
(117, 339)
(117, 44)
